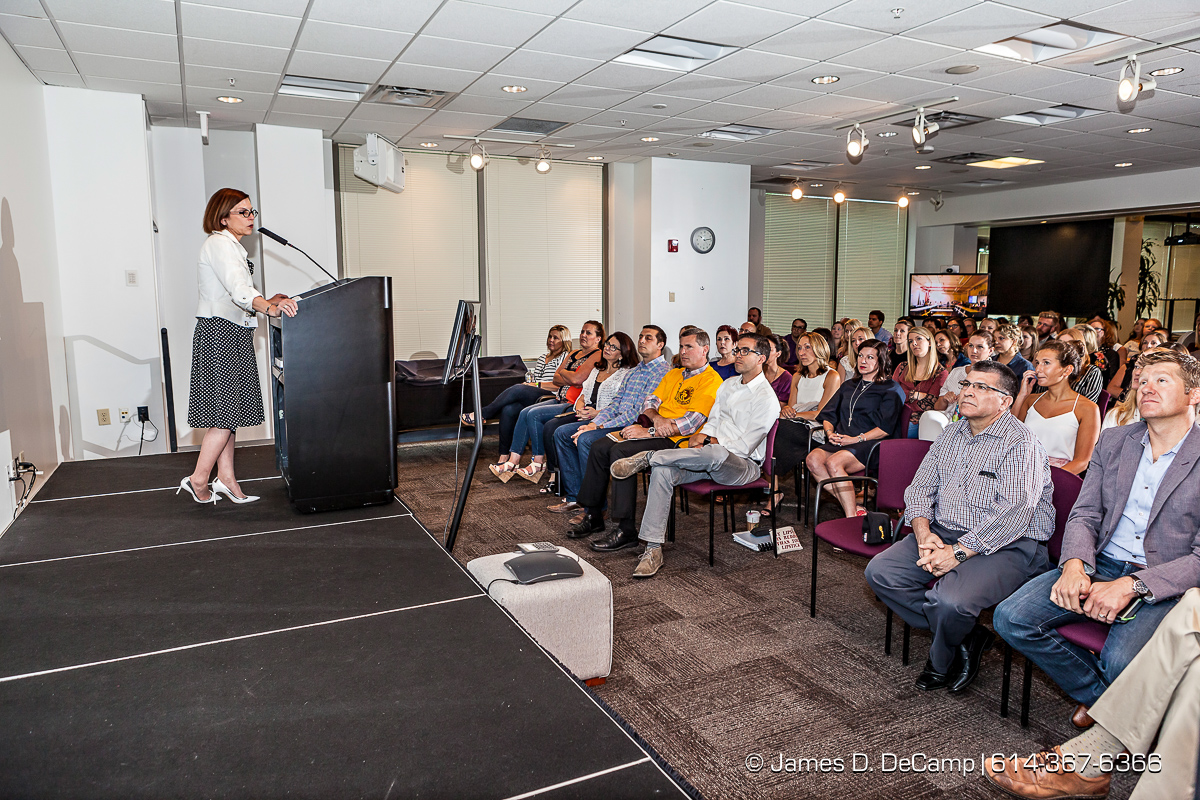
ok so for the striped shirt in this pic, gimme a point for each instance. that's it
(544, 370)
(640, 382)
(994, 485)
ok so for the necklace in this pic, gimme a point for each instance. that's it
(855, 396)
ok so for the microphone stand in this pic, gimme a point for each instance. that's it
(275, 236)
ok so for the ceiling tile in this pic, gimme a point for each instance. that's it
(354, 128)
(29, 31)
(627, 76)
(636, 14)
(732, 24)
(351, 40)
(492, 85)
(326, 124)
(840, 107)
(525, 63)
(503, 106)
(552, 7)
(625, 120)
(772, 97)
(1135, 17)
(726, 113)
(894, 54)
(1079, 92)
(1029, 77)
(395, 115)
(218, 78)
(644, 104)
(703, 87)
(877, 15)
(819, 40)
(557, 112)
(791, 121)
(209, 53)
(485, 24)
(585, 40)
(431, 51)
(981, 24)
(439, 78)
(160, 110)
(160, 92)
(810, 8)
(587, 132)
(847, 78)
(24, 8)
(119, 42)
(288, 8)
(133, 69)
(341, 68)
(899, 89)
(407, 16)
(589, 96)
(987, 66)
(311, 105)
(142, 15)
(60, 78)
(230, 25)
(754, 65)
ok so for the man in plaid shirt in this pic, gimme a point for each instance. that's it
(980, 509)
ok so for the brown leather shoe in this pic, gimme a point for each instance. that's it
(1044, 776)
(1081, 719)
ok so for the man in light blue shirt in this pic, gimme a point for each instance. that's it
(1128, 542)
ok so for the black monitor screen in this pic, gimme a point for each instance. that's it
(458, 354)
(1061, 266)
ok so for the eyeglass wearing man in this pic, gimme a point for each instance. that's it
(980, 511)
(799, 328)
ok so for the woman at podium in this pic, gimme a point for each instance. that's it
(225, 393)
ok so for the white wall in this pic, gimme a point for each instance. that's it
(711, 289)
(33, 388)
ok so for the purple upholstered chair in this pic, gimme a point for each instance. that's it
(1103, 402)
(712, 489)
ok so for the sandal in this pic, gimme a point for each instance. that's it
(468, 419)
(503, 471)
(551, 486)
(534, 472)
(859, 511)
(776, 500)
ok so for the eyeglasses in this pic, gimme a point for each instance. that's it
(745, 351)
(611, 346)
(982, 386)
(246, 213)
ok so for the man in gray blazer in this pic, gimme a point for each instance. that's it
(1134, 534)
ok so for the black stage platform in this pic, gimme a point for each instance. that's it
(154, 647)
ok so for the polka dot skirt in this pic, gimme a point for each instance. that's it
(225, 392)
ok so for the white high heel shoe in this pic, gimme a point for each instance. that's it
(218, 487)
(186, 483)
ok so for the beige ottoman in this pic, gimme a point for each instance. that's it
(571, 618)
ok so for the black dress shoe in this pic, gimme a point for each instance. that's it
(970, 653)
(617, 540)
(586, 527)
(930, 679)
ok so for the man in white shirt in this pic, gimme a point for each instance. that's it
(729, 449)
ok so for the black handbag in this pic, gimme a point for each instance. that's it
(877, 529)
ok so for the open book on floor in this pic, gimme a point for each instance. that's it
(759, 539)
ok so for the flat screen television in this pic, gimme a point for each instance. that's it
(948, 295)
(1063, 266)
(462, 343)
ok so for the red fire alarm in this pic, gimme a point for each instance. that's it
(672, 245)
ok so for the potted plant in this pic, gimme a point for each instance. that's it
(1147, 288)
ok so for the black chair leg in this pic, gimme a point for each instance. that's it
(1006, 681)
(887, 635)
(671, 519)
(712, 520)
(1025, 692)
(904, 647)
(685, 503)
(812, 600)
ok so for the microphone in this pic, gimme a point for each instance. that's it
(286, 243)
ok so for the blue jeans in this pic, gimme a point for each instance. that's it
(507, 406)
(1028, 621)
(529, 426)
(573, 455)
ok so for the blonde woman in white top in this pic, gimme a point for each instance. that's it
(815, 381)
(1065, 422)
(225, 393)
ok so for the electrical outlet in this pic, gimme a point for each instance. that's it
(102, 416)
(124, 414)
(143, 413)
(672, 300)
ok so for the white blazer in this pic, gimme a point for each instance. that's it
(226, 288)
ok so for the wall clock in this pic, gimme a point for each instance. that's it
(703, 240)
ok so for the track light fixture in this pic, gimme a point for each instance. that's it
(797, 191)
(1129, 87)
(839, 196)
(543, 161)
(479, 156)
(856, 147)
(903, 201)
(922, 129)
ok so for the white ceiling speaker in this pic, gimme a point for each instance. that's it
(479, 158)
(1130, 86)
(855, 147)
(922, 129)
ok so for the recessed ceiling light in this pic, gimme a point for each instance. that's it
(1059, 39)
(1158, 73)
(226, 98)
(595, 158)
(1006, 162)
(322, 88)
(886, 134)
(429, 144)
(1139, 130)
(824, 79)
(924, 166)
(514, 89)
(649, 138)
(669, 52)
(1124, 164)
(815, 185)
(659, 106)
(913, 194)
(1018, 149)
(962, 69)
(702, 144)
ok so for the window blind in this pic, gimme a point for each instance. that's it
(425, 238)
(798, 262)
(871, 260)
(545, 252)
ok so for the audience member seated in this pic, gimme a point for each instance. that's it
(1007, 339)
(1048, 325)
(955, 327)
(754, 314)
(570, 376)
(676, 410)
(1134, 533)
(1125, 412)
(573, 443)
(979, 349)
(864, 409)
(541, 383)
(1091, 378)
(1154, 703)
(921, 377)
(969, 326)
(989, 325)
(827, 335)
(729, 449)
(725, 366)
(779, 378)
(949, 350)
(1066, 423)
(1192, 340)
(875, 322)
(1028, 342)
(856, 334)
(980, 509)
(619, 356)
(1109, 346)
(799, 328)
(837, 335)
(747, 327)
(898, 346)
(815, 381)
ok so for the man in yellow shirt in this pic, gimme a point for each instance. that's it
(678, 408)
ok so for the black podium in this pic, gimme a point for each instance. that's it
(333, 370)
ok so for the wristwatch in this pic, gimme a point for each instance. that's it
(650, 430)
(1140, 587)
(959, 554)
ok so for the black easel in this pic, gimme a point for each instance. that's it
(473, 349)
